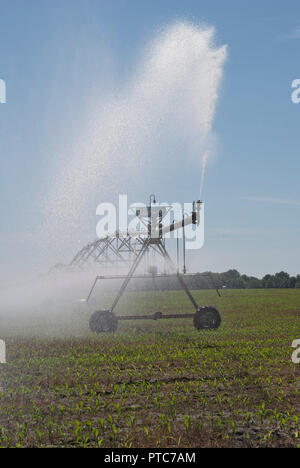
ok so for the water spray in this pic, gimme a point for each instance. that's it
(170, 99)
(203, 171)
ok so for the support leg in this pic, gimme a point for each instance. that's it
(180, 278)
(131, 273)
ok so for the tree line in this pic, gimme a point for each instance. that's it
(230, 279)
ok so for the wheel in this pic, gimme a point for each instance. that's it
(103, 321)
(207, 318)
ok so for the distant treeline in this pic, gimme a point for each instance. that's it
(234, 280)
(231, 279)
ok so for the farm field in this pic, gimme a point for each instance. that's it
(158, 384)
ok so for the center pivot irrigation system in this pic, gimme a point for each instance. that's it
(151, 238)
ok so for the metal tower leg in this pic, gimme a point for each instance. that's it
(179, 276)
(131, 273)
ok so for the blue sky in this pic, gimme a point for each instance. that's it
(56, 55)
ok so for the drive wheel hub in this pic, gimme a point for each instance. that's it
(207, 318)
(103, 321)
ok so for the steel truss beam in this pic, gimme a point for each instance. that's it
(111, 250)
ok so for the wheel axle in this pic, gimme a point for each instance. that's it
(105, 321)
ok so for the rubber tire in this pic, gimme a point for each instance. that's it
(207, 318)
(103, 321)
